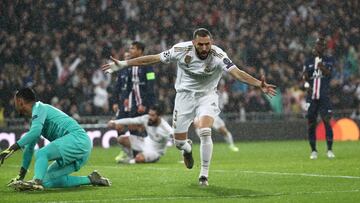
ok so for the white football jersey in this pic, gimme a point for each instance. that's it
(194, 74)
(158, 135)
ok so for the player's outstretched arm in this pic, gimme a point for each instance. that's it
(268, 89)
(117, 65)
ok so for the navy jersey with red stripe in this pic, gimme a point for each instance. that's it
(135, 84)
(140, 87)
(319, 83)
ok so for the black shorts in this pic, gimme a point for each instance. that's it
(322, 106)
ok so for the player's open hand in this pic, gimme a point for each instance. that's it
(5, 154)
(268, 89)
(113, 66)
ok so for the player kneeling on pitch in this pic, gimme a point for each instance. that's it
(69, 147)
(152, 147)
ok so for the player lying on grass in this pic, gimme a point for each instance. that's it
(69, 147)
(153, 146)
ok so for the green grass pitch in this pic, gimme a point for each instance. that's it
(269, 171)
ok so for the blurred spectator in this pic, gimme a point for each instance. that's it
(57, 46)
(101, 99)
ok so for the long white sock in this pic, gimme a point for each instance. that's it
(183, 145)
(229, 138)
(206, 148)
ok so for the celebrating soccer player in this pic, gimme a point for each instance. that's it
(199, 68)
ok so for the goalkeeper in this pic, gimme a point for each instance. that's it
(69, 147)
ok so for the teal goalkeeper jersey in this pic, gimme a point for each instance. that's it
(49, 122)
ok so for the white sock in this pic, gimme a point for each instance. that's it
(183, 145)
(229, 139)
(206, 148)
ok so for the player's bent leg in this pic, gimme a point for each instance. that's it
(126, 151)
(228, 138)
(58, 177)
(42, 158)
(149, 156)
(185, 145)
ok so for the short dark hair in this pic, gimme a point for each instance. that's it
(201, 32)
(27, 94)
(158, 108)
(139, 45)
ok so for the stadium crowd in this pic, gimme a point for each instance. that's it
(57, 48)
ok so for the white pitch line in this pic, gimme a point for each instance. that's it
(206, 197)
(274, 173)
(301, 174)
(227, 171)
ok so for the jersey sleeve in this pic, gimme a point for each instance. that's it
(132, 121)
(225, 63)
(173, 54)
(169, 130)
(37, 123)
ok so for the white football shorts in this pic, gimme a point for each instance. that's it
(189, 105)
(137, 142)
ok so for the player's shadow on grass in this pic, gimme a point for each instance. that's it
(226, 192)
(63, 190)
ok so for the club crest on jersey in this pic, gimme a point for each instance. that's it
(187, 59)
(207, 69)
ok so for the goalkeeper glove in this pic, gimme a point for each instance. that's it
(21, 176)
(5, 154)
(8, 152)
